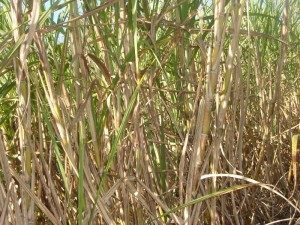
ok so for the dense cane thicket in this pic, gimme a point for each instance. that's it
(149, 112)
